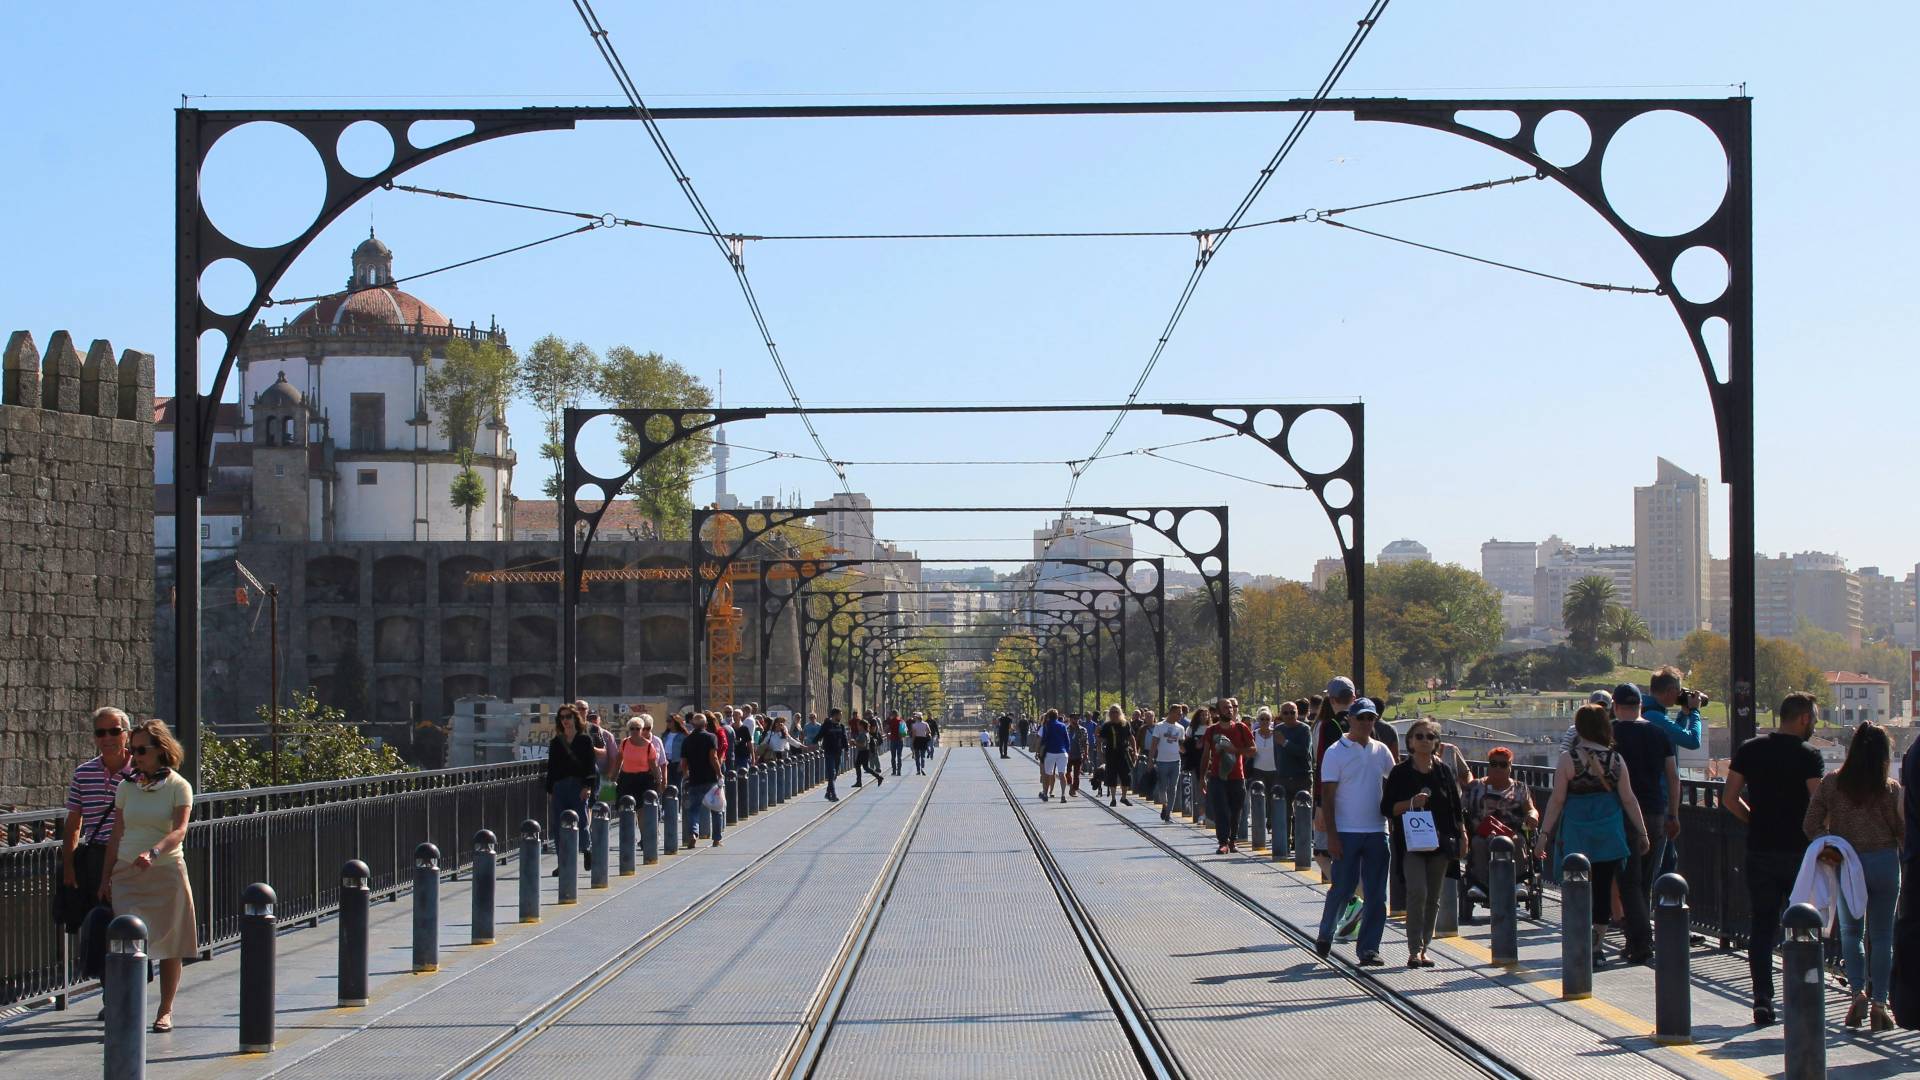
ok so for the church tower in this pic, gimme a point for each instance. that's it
(281, 506)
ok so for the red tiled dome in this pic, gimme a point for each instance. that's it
(383, 305)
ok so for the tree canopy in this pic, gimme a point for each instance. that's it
(470, 387)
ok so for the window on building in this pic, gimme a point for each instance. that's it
(206, 532)
(279, 470)
(368, 421)
(369, 477)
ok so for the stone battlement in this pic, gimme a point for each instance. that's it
(64, 381)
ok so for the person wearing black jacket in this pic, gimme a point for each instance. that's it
(832, 741)
(1423, 782)
(572, 772)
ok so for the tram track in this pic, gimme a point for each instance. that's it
(1440, 1031)
(1149, 1044)
(498, 1052)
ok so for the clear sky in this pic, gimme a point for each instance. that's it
(1499, 405)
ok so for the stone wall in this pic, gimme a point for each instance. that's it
(76, 554)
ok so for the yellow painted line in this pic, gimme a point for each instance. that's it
(1611, 1013)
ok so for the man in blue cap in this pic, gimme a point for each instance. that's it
(1352, 776)
(1653, 772)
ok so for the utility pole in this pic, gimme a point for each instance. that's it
(273, 655)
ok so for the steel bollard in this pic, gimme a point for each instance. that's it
(1804, 994)
(1257, 813)
(426, 909)
(600, 818)
(757, 788)
(670, 819)
(650, 827)
(529, 871)
(1672, 998)
(258, 930)
(1446, 923)
(485, 874)
(1303, 831)
(124, 993)
(629, 835)
(1505, 919)
(779, 782)
(1279, 824)
(351, 976)
(566, 849)
(1576, 927)
(733, 796)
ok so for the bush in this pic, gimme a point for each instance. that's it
(316, 743)
(1545, 669)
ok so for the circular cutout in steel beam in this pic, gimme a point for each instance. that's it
(1701, 275)
(1320, 441)
(1563, 138)
(364, 148)
(1665, 173)
(227, 286)
(262, 184)
(1199, 532)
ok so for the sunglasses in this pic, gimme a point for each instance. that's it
(1422, 737)
(1499, 764)
(140, 748)
(103, 732)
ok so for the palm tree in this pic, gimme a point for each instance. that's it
(1585, 609)
(468, 492)
(1622, 628)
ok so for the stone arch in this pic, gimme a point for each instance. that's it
(601, 687)
(333, 579)
(453, 580)
(330, 637)
(663, 684)
(399, 579)
(603, 639)
(394, 697)
(664, 637)
(466, 639)
(532, 684)
(604, 592)
(455, 687)
(399, 639)
(531, 638)
(664, 592)
(543, 592)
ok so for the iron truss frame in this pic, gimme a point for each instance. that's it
(198, 243)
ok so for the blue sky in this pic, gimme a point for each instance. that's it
(1499, 405)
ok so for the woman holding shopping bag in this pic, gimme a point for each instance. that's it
(1422, 801)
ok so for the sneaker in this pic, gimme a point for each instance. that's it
(1043, 796)
(1322, 947)
(716, 843)
(1349, 923)
(1124, 801)
(1763, 1013)
(1371, 959)
(1110, 802)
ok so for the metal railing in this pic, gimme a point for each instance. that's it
(294, 838)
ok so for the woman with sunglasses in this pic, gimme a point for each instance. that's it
(1424, 783)
(1496, 805)
(572, 773)
(637, 764)
(146, 874)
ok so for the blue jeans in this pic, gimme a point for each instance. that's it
(833, 768)
(1872, 966)
(1363, 862)
(569, 795)
(696, 815)
(893, 748)
(1167, 783)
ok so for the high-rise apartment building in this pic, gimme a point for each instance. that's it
(1404, 551)
(1562, 564)
(1885, 602)
(1325, 570)
(1672, 578)
(1827, 595)
(1508, 565)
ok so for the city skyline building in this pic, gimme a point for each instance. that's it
(1508, 565)
(1404, 551)
(1672, 578)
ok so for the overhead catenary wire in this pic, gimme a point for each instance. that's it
(603, 42)
(591, 226)
(1598, 286)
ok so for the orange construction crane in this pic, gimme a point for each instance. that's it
(738, 570)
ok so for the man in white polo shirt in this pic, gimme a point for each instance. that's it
(1352, 776)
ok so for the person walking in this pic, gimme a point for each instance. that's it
(832, 741)
(1424, 784)
(1078, 745)
(1265, 765)
(1003, 731)
(896, 739)
(1055, 744)
(1596, 815)
(1293, 756)
(88, 831)
(636, 769)
(1353, 776)
(922, 733)
(1116, 755)
(1861, 804)
(705, 758)
(1655, 773)
(866, 758)
(1163, 749)
(571, 773)
(675, 734)
(1229, 744)
(145, 874)
(1770, 784)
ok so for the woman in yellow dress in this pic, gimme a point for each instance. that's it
(146, 874)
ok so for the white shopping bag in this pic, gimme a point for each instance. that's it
(1420, 830)
(716, 800)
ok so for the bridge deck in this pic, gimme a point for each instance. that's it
(972, 968)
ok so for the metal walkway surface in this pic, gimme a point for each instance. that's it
(973, 969)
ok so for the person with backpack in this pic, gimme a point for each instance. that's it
(1116, 756)
(1352, 779)
(1229, 743)
(1596, 815)
(896, 739)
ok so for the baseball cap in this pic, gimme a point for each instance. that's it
(1626, 694)
(1340, 687)
(1363, 707)
(1599, 697)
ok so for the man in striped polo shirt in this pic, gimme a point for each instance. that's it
(89, 827)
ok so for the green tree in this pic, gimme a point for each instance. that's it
(1431, 619)
(316, 743)
(1622, 628)
(636, 380)
(1704, 657)
(468, 492)
(556, 375)
(470, 387)
(1782, 667)
(1585, 610)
